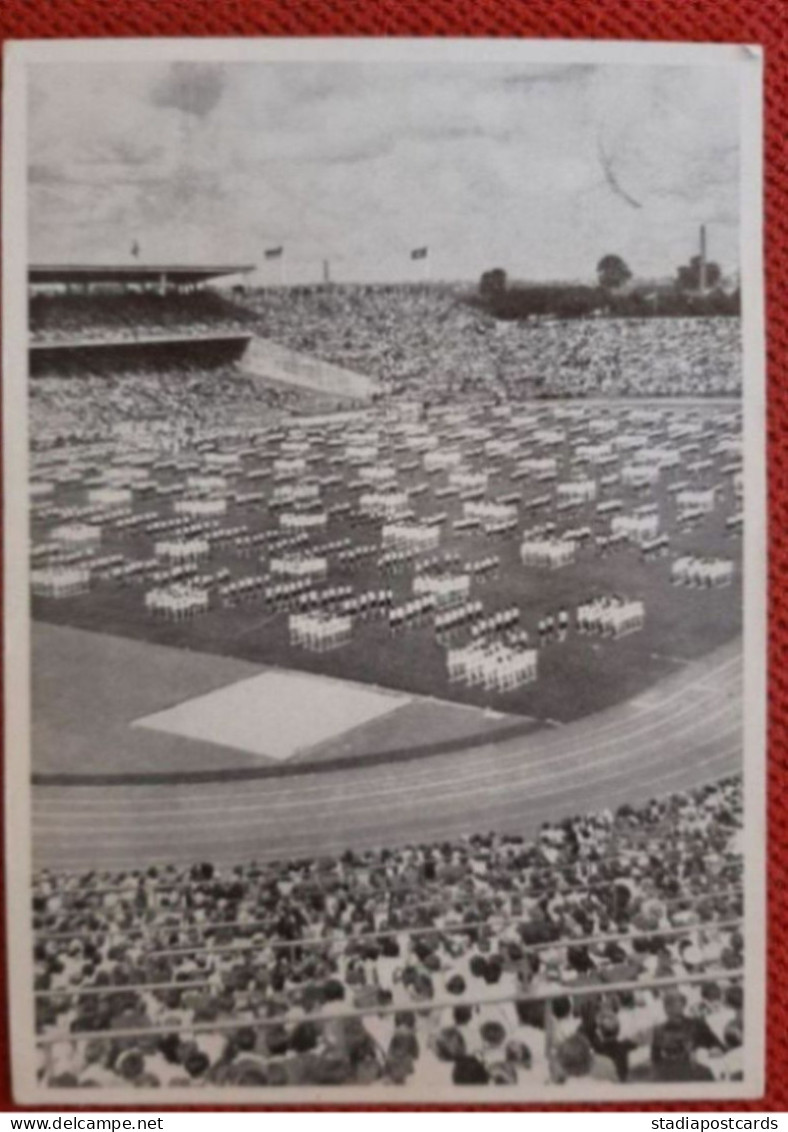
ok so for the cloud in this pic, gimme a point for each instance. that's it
(192, 88)
(125, 151)
(355, 155)
(42, 173)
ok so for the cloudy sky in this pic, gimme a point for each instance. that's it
(540, 170)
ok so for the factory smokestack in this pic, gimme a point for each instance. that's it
(702, 272)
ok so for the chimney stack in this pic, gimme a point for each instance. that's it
(702, 273)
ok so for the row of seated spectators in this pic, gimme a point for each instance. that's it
(426, 342)
(64, 410)
(608, 948)
(101, 316)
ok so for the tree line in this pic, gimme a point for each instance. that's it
(692, 292)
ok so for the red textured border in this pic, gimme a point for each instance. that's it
(719, 21)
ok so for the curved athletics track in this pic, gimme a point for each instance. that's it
(682, 732)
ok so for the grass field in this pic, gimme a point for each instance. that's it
(87, 710)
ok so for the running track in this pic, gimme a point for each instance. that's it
(681, 733)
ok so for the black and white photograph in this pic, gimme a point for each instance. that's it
(384, 442)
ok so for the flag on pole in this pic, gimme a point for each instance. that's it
(135, 249)
(418, 253)
(274, 253)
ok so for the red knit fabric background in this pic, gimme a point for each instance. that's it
(729, 21)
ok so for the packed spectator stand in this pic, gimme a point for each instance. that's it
(608, 949)
(428, 342)
(143, 400)
(99, 317)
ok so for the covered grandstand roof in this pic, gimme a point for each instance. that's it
(132, 272)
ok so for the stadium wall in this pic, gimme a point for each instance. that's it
(271, 362)
(75, 359)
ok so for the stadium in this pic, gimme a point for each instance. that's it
(387, 682)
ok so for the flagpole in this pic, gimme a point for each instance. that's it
(276, 278)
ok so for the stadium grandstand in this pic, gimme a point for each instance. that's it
(501, 564)
(431, 341)
(608, 949)
(103, 310)
(124, 317)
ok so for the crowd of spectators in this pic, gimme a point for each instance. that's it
(65, 409)
(694, 357)
(427, 342)
(109, 316)
(606, 949)
(419, 342)
(424, 341)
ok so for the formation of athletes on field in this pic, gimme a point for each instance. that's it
(394, 520)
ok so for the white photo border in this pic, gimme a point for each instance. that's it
(747, 61)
